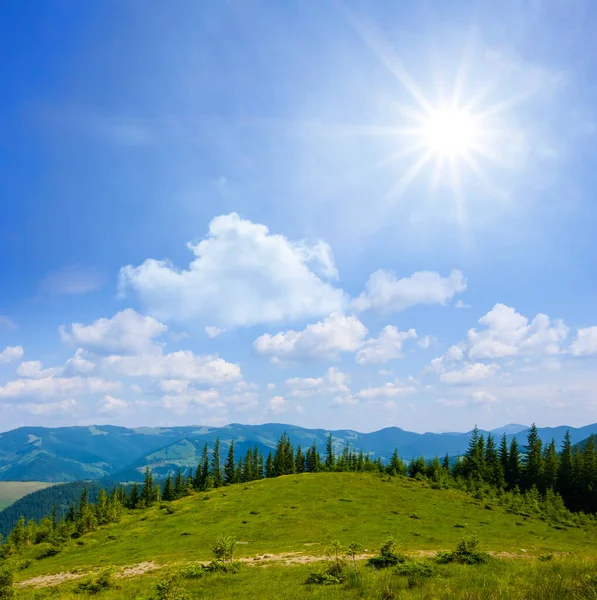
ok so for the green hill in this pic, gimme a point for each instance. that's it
(293, 518)
(11, 491)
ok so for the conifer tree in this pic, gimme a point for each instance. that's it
(230, 465)
(330, 459)
(178, 485)
(494, 473)
(238, 471)
(216, 469)
(269, 465)
(360, 461)
(503, 456)
(513, 471)
(202, 470)
(147, 492)
(565, 480)
(533, 460)
(134, 496)
(550, 466)
(446, 464)
(167, 492)
(260, 467)
(299, 460)
(248, 472)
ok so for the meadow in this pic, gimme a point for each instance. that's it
(11, 491)
(284, 525)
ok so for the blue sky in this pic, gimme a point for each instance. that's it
(334, 214)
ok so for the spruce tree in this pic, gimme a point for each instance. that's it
(216, 468)
(503, 457)
(330, 459)
(178, 491)
(147, 491)
(299, 460)
(134, 496)
(494, 473)
(167, 492)
(513, 471)
(533, 460)
(230, 465)
(269, 465)
(550, 466)
(446, 464)
(565, 480)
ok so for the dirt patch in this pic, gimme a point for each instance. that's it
(139, 569)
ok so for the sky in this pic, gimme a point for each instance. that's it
(336, 214)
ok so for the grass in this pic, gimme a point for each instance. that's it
(303, 513)
(11, 491)
(504, 579)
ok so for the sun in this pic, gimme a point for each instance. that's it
(450, 132)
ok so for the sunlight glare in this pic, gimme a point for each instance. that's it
(450, 132)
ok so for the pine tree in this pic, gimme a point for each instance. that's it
(248, 472)
(178, 490)
(503, 457)
(260, 467)
(202, 470)
(167, 492)
(299, 460)
(550, 466)
(147, 491)
(494, 473)
(565, 481)
(533, 460)
(473, 463)
(395, 466)
(446, 464)
(134, 496)
(360, 462)
(588, 476)
(513, 471)
(216, 469)
(230, 465)
(330, 459)
(269, 465)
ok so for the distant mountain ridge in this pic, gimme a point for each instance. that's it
(107, 451)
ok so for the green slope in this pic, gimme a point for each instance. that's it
(302, 513)
(11, 491)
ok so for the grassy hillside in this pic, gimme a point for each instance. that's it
(302, 513)
(11, 491)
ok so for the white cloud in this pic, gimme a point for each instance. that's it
(136, 388)
(177, 386)
(127, 332)
(241, 275)
(470, 373)
(344, 401)
(426, 341)
(388, 390)
(72, 280)
(509, 333)
(180, 403)
(49, 408)
(183, 364)
(386, 347)
(213, 332)
(451, 403)
(585, 343)
(333, 382)
(385, 293)
(32, 369)
(461, 304)
(278, 404)
(110, 404)
(57, 386)
(11, 353)
(322, 340)
(483, 397)
(271, 387)
(79, 364)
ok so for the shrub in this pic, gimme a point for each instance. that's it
(466, 553)
(335, 570)
(415, 572)
(45, 550)
(168, 588)
(388, 557)
(223, 548)
(194, 571)
(6, 583)
(98, 582)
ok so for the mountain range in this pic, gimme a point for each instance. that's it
(119, 453)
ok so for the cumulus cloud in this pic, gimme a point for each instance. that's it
(127, 332)
(180, 403)
(110, 404)
(72, 280)
(49, 408)
(241, 275)
(508, 333)
(388, 390)
(385, 293)
(185, 365)
(32, 369)
(80, 364)
(425, 342)
(585, 343)
(386, 347)
(57, 386)
(469, 373)
(322, 340)
(333, 382)
(278, 404)
(11, 353)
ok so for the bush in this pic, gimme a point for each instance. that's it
(168, 588)
(415, 572)
(466, 553)
(45, 550)
(6, 583)
(97, 583)
(331, 575)
(388, 557)
(223, 548)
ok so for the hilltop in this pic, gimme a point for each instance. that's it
(292, 519)
(105, 451)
